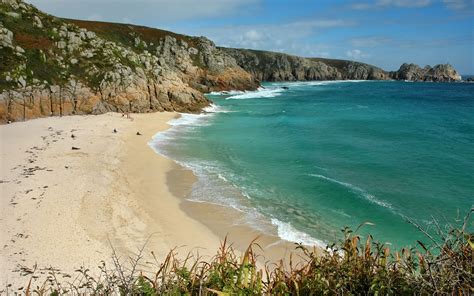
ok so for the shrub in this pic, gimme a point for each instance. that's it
(351, 266)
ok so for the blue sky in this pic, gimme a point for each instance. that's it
(385, 33)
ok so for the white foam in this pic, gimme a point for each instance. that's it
(221, 190)
(259, 93)
(365, 194)
(213, 108)
(161, 140)
(246, 195)
(238, 209)
(222, 177)
(226, 93)
(186, 119)
(289, 233)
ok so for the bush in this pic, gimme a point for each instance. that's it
(350, 266)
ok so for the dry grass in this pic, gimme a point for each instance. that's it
(30, 41)
(350, 266)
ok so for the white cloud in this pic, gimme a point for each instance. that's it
(253, 35)
(144, 11)
(459, 4)
(356, 54)
(392, 3)
(404, 3)
(371, 41)
(320, 23)
(289, 37)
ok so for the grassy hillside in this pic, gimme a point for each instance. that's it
(340, 64)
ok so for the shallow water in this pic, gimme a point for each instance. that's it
(321, 155)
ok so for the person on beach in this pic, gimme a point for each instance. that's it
(127, 114)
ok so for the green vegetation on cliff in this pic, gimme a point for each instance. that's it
(53, 66)
(273, 66)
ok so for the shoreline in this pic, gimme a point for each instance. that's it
(228, 222)
(66, 208)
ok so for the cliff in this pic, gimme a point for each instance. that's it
(53, 66)
(271, 66)
(438, 73)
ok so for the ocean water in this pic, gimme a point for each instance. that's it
(313, 157)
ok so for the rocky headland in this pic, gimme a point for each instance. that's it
(438, 73)
(272, 66)
(52, 66)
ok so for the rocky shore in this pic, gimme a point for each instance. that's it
(271, 66)
(52, 66)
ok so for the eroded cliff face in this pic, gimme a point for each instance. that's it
(438, 73)
(51, 66)
(270, 66)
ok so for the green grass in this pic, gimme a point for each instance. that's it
(341, 65)
(125, 33)
(348, 267)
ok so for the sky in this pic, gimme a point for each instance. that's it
(385, 33)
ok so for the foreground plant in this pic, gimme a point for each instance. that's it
(350, 266)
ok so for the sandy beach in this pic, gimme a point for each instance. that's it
(64, 208)
(71, 188)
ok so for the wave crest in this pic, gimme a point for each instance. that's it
(289, 233)
(360, 191)
(259, 93)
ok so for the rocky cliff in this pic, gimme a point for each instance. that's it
(438, 73)
(271, 66)
(53, 66)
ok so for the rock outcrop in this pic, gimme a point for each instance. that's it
(271, 66)
(51, 66)
(438, 73)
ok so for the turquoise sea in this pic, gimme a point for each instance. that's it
(313, 157)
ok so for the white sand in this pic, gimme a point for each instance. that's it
(63, 208)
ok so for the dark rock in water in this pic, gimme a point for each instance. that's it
(285, 87)
(469, 79)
